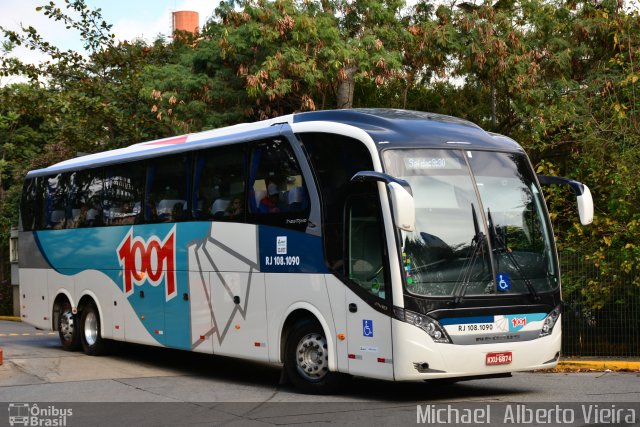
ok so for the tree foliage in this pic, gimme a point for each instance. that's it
(561, 77)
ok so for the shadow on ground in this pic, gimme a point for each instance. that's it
(249, 373)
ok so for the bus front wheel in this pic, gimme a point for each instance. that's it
(68, 328)
(92, 342)
(307, 360)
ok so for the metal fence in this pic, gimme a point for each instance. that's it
(601, 318)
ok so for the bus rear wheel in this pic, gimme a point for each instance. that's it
(307, 360)
(92, 342)
(68, 330)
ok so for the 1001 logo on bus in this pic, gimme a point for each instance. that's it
(150, 261)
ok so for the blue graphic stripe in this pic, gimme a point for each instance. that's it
(72, 251)
(466, 320)
(298, 252)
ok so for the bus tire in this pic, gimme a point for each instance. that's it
(68, 328)
(92, 342)
(306, 360)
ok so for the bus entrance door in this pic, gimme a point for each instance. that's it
(369, 340)
(369, 330)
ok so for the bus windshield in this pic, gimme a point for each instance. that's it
(481, 225)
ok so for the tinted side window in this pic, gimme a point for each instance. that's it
(55, 201)
(31, 204)
(85, 199)
(366, 248)
(334, 160)
(123, 190)
(219, 184)
(167, 189)
(278, 194)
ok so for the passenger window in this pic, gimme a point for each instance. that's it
(366, 260)
(219, 184)
(167, 190)
(56, 188)
(85, 199)
(123, 191)
(278, 194)
(31, 204)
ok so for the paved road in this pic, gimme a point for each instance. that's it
(222, 391)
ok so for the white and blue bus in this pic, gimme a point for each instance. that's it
(389, 244)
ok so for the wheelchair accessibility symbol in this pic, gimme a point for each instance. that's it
(367, 328)
(503, 282)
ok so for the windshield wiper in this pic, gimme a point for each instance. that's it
(500, 245)
(478, 240)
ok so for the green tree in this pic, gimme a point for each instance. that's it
(567, 84)
(560, 77)
(72, 103)
(267, 58)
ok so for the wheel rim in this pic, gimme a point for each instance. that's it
(311, 357)
(67, 325)
(91, 328)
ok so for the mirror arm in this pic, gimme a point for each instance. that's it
(577, 187)
(582, 192)
(369, 176)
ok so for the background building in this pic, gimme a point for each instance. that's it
(185, 20)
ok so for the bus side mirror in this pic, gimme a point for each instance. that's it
(402, 203)
(582, 192)
(585, 206)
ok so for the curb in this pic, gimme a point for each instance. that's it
(599, 365)
(11, 318)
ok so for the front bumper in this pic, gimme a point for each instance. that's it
(417, 357)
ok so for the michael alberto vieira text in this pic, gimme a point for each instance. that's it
(521, 414)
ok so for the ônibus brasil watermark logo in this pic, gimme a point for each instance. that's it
(152, 260)
(27, 414)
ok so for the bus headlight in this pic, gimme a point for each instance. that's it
(550, 322)
(426, 323)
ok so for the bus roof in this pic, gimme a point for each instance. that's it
(391, 128)
(388, 128)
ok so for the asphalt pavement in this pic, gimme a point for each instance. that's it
(566, 364)
(142, 385)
